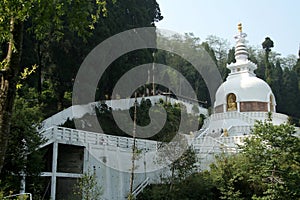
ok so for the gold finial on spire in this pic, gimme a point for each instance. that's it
(240, 28)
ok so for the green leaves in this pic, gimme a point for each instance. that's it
(87, 187)
(51, 17)
(23, 142)
(268, 44)
(266, 168)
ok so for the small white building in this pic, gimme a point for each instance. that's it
(72, 152)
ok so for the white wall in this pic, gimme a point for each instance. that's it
(77, 111)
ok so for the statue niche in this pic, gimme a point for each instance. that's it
(231, 102)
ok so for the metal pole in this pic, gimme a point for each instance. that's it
(130, 197)
(23, 180)
(153, 85)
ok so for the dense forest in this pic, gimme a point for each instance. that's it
(41, 67)
(51, 56)
(57, 61)
(51, 84)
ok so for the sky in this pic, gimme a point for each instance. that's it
(277, 19)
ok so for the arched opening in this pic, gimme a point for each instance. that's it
(231, 102)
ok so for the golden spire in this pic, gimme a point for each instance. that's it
(240, 27)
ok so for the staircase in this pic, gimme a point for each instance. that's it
(140, 187)
(208, 147)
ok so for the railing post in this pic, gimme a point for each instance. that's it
(54, 133)
(71, 134)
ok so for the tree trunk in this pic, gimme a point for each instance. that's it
(8, 80)
(39, 58)
(60, 100)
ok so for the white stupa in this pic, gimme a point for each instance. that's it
(242, 98)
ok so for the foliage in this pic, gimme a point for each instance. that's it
(184, 166)
(109, 126)
(221, 48)
(230, 176)
(266, 168)
(181, 175)
(183, 66)
(22, 149)
(59, 45)
(267, 44)
(45, 19)
(197, 186)
(63, 14)
(87, 186)
(275, 152)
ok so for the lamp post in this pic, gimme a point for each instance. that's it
(153, 86)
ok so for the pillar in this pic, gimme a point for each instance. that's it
(54, 170)
(238, 106)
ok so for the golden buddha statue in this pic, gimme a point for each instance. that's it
(231, 102)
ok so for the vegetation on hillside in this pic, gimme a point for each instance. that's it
(109, 126)
(266, 168)
(55, 36)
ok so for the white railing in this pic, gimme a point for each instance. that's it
(201, 133)
(206, 123)
(203, 130)
(264, 115)
(208, 141)
(79, 137)
(239, 129)
(207, 147)
(232, 115)
(84, 137)
(77, 111)
(140, 187)
(280, 116)
(249, 117)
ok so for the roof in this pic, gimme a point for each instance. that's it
(246, 87)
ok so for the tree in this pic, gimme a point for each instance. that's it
(184, 67)
(220, 47)
(180, 168)
(62, 58)
(48, 19)
(273, 153)
(267, 45)
(290, 93)
(296, 68)
(231, 56)
(289, 61)
(87, 187)
(181, 172)
(277, 86)
(267, 166)
(22, 150)
(124, 15)
(198, 186)
(230, 177)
